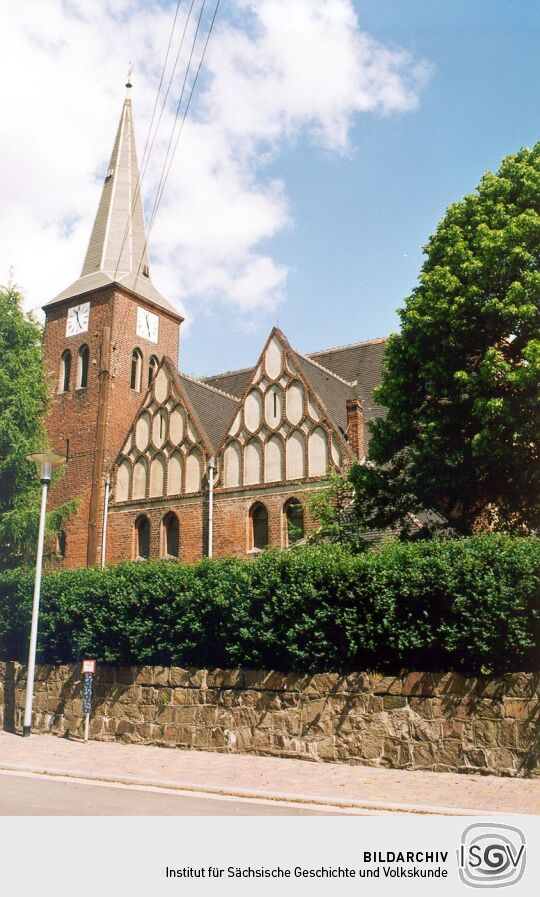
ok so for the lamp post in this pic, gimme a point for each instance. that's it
(46, 461)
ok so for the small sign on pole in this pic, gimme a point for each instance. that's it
(88, 671)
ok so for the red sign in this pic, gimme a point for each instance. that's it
(89, 666)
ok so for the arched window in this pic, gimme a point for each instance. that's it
(294, 521)
(258, 517)
(61, 544)
(65, 371)
(142, 538)
(152, 368)
(171, 536)
(136, 370)
(82, 367)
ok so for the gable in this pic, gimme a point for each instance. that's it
(166, 449)
(283, 429)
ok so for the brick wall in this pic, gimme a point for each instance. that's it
(73, 414)
(231, 522)
(439, 722)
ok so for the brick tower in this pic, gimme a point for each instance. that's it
(104, 336)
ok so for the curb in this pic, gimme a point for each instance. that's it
(251, 794)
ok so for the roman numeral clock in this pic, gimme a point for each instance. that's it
(147, 325)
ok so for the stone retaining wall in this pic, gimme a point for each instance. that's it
(413, 721)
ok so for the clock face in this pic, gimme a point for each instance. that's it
(147, 325)
(77, 319)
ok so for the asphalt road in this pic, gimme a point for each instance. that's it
(22, 795)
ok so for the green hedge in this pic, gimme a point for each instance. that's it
(471, 605)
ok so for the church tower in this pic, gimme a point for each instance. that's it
(104, 337)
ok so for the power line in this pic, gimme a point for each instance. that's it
(165, 174)
(144, 160)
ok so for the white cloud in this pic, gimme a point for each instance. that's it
(276, 72)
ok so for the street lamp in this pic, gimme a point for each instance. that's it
(46, 461)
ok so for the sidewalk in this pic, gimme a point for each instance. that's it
(243, 775)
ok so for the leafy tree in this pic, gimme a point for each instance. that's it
(461, 378)
(23, 404)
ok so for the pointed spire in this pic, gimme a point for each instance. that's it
(117, 249)
(117, 244)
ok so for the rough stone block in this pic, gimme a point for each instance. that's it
(324, 684)
(517, 709)
(127, 675)
(424, 755)
(386, 685)
(355, 682)
(417, 685)
(225, 679)
(393, 702)
(325, 748)
(522, 685)
(187, 678)
(391, 752)
(451, 754)
(124, 727)
(445, 684)
(372, 746)
(500, 759)
(475, 757)
(485, 732)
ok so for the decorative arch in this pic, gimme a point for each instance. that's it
(65, 371)
(317, 453)
(153, 365)
(273, 460)
(293, 521)
(142, 538)
(258, 526)
(122, 481)
(232, 461)
(157, 477)
(295, 456)
(138, 489)
(136, 370)
(253, 463)
(170, 536)
(83, 361)
(193, 471)
(174, 474)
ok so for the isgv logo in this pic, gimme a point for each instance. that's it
(491, 855)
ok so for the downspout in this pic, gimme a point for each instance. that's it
(211, 465)
(105, 513)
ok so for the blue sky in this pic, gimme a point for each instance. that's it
(326, 139)
(361, 221)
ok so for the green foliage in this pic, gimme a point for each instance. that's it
(468, 604)
(330, 506)
(23, 405)
(461, 381)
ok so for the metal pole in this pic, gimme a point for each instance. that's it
(27, 722)
(210, 506)
(86, 726)
(105, 513)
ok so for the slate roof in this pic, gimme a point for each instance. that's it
(233, 382)
(359, 364)
(331, 389)
(215, 409)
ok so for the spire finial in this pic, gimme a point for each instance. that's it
(129, 85)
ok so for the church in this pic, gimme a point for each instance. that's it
(165, 465)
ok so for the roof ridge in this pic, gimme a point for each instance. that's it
(326, 370)
(200, 382)
(367, 342)
(227, 373)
